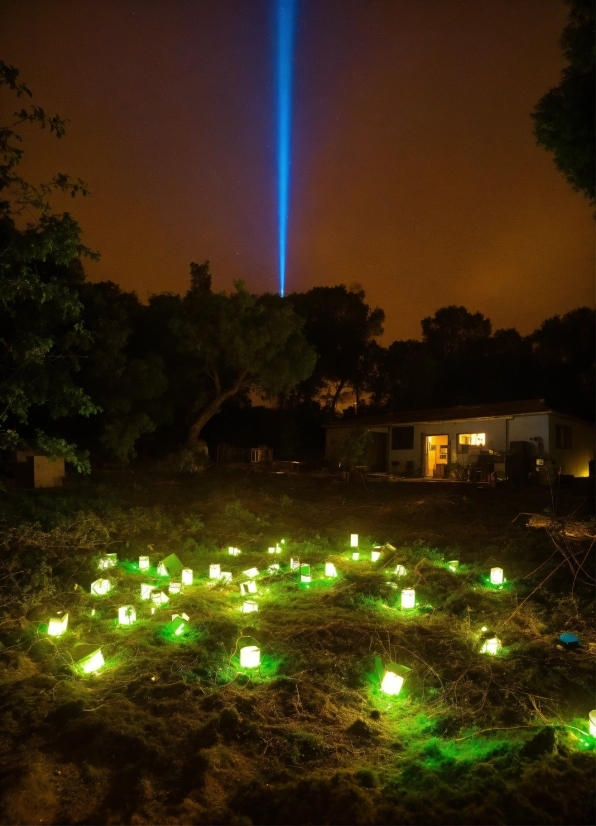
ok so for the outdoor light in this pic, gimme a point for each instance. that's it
(294, 563)
(146, 591)
(391, 683)
(400, 571)
(353, 540)
(250, 656)
(178, 625)
(174, 587)
(57, 625)
(170, 566)
(274, 569)
(187, 576)
(305, 573)
(330, 569)
(249, 587)
(88, 657)
(491, 645)
(108, 561)
(214, 571)
(496, 576)
(225, 576)
(159, 598)
(143, 563)
(375, 555)
(408, 598)
(251, 573)
(249, 606)
(100, 587)
(126, 615)
(592, 722)
(233, 551)
(453, 564)
(356, 556)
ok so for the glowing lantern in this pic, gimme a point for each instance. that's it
(249, 606)
(159, 598)
(391, 683)
(250, 656)
(225, 576)
(178, 625)
(496, 576)
(100, 587)
(330, 569)
(187, 576)
(251, 573)
(400, 571)
(234, 551)
(353, 540)
(592, 722)
(146, 591)
(294, 564)
(57, 625)
(143, 563)
(491, 644)
(108, 561)
(170, 566)
(249, 587)
(126, 615)
(174, 587)
(305, 573)
(408, 598)
(453, 565)
(375, 555)
(214, 571)
(88, 657)
(274, 569)
(356, 556)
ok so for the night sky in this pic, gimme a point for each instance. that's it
(414, 167)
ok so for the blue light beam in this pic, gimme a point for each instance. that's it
(286, 14)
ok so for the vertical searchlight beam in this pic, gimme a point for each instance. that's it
(286, 14)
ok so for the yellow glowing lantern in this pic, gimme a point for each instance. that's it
(251, 573)
(187, 576)
(146, 590)
(356, 556)
(108, 561)
(174, 587)
(391, 683)
(408, 598)
(274, 569)
(453, 564)
(496, 576)
(294, 564)
(126, 615)
(353, 540)
(169, 566)
(159, 598)
(57, 626)
(143, 563)
(100, 587)
(305, 573)
(214, 571)
(250, 656)
(330, 569)
(491, 645)
(88, 658)
(249, 606)
(233, 551)
(178, 625)
(225, 576)
(400, 570)
(375, 555)
(592, 722)
(249, 587)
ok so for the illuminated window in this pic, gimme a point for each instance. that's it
(562, 437)
(471, 438)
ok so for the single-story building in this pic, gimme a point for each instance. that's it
(423, 442)
(34, 469)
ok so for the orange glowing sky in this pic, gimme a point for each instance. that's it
(414, 167)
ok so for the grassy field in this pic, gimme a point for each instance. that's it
(173, 730)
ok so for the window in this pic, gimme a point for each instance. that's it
(471, 439)
(402, 438)
(562, 437)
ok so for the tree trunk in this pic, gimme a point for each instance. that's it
(211, 409)
(336, 396)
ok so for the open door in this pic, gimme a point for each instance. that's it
(437, 455)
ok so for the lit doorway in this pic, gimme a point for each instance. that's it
(437, 455)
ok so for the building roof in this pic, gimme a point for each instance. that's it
(449, 414)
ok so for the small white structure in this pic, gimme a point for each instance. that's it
(143, 563)
(214, 571)
(305, 576)
(100, 587)
(356, 556)
(170, 566)
(34, 469)
(251, 573)
(187, 576)
(453, 565)
(225, 577)
(159, 598)
(249, 606)
(87, 657)
(491, 645)
(57, 625)
(107, 561)
(330, 569)
(592, 722)
(249, 587)
(408, 598)
(496, 576)
(294, 564)
(234, 551)
(126, 615)
(391, 683)
(250, 656)
(400, 570)
(146, 590)
(353, 540)
(375, 555)
(174, 588)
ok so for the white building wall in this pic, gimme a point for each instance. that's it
(530, 428)
(574, 461)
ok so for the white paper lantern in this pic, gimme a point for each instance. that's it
(225, 577)
(330, 569)
(375, 556)
(391, 683)
(143, 563)
(453, 564)
(214, 571)
(408, 598)
(400, 570)
(100, 587)
(305, 573)
(126, 615)
(159, 598)
(356, 556)
(108, 561)
(249, 587)
(92, 663)
(249, 606)
(250, 656)
(592, 722)
(233, 551)
(270, 550)
(274, 569)
(57, 625)
(187, 576)
(496, 576)
(294, 564)
(174, 587)
(491, 646)
(146, 590)
(251, 573)
(353, 540)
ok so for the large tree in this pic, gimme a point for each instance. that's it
(564, 116)
(41, 334)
